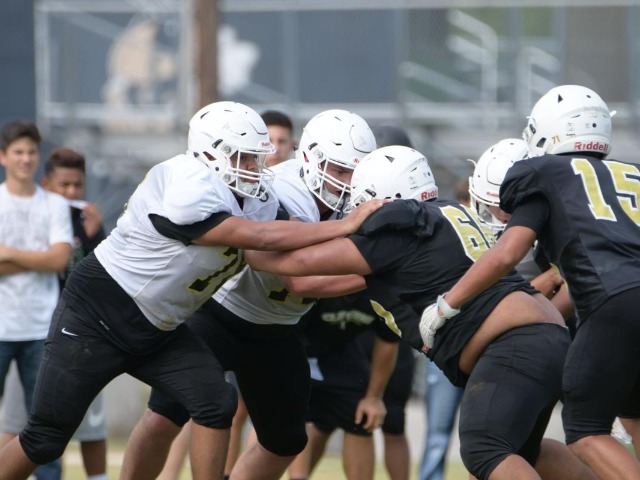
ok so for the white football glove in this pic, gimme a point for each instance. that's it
(431, 321)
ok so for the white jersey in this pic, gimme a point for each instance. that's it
(261, 297)
(168, 280)
(29, 298)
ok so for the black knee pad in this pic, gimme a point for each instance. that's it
(480, 457)
(217, 413)
(44, 445)
(168, 407)
(285, 442)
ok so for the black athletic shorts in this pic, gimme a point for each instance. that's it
(97, 333)
(398, 391)
(271, 369)
(510, 396)
(602, 372)
(335, 408)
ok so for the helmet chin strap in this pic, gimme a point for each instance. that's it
(331, 199)
(497, 227)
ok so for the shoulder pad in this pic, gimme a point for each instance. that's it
(394, 216)
(521, 181)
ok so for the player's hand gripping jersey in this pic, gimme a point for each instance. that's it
(418, 250)
(586, 215)
(261, 297)
(184, 199)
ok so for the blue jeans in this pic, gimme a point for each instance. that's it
(27, 355)
(50, 471)
(441, 401)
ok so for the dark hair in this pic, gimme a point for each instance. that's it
(64, 158)
(17, 129)
(391, 135)
(275, 117)
(462, 190)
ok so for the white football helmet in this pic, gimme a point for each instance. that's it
(393, 172)
(567, 119)
(220, 133)
(489, 172)
(334, 137)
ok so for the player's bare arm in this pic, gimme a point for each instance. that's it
(562, 301)
(336, 257)
(324, 286)
(282, 234)
(371, 407)
(494, 264)
(54, 259)
(548, 282)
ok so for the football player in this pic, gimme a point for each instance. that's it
(180, 237)
(583, 209)
(484, 192)
(507, 346)
(250, 324)
(352, 358)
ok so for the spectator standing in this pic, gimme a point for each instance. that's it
(280, 129)
(35, 244)
(251, 323)
(65, 174)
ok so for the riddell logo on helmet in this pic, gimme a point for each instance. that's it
(429, 195)
(493, 194)
(592, 146)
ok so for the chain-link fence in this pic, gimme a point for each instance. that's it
(116, 78)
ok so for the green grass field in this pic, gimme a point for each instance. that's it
(329, 469)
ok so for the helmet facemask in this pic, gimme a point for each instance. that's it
(333, 139)
(221, 135)
(330, 190)
(489, 173)
(486, 215)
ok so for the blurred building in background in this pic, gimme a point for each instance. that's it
(118, 80)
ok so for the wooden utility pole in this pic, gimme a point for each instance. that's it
(206, 22)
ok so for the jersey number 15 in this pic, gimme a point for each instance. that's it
(626, 181)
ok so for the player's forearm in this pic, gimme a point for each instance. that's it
(285, 235)
(336, 257)
(383, 362)
(547, 282)
(325, 286)
(562, 301)
(485, 272)
(492, 265)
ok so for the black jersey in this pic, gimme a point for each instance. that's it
(332, 322)
(332, 329)
(418, 250)
(588, 221)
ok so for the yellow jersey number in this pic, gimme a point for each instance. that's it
(626, 181)
(475, 235)
(229, 270)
